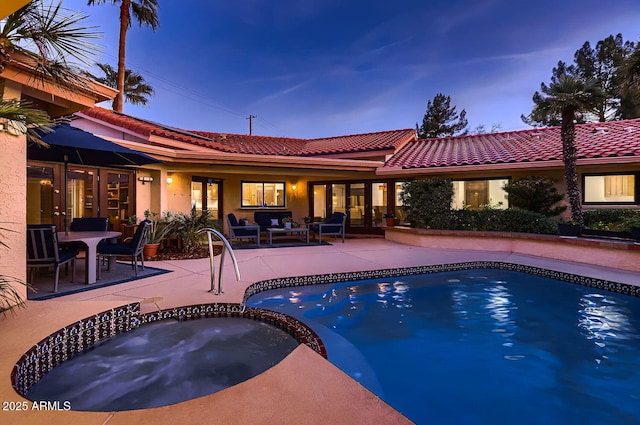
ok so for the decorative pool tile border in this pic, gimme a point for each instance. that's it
(265, 285)
(301, 332)
(69, 341)
(77, 337)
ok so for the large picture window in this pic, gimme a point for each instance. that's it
(263, 195)
(612, 189)
(475, 194)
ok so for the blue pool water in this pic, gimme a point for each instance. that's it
(480, 346)
(165, 363)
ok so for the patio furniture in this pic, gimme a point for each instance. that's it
(333, 226)
(239, 231)
(131, 249)
(43, 251)
(267, 219)
(89, 224)
(92, 240)
(300, 232)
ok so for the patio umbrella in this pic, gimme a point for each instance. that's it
(74, 146)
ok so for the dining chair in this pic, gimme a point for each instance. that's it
(43, 251)
(133, 249)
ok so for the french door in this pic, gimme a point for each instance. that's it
(56, 192)
(364, 202)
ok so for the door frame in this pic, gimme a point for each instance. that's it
(368, 227)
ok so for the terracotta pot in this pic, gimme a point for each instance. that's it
(391, 221)
(150, 249)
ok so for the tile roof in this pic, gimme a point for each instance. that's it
(148, 128)
(595, 140)
(383, 140)
(259, 145)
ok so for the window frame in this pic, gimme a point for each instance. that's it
(636, 191)
(505, 204)
(250, 206)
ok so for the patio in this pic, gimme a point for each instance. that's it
(303, 388)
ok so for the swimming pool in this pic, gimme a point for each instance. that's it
(479, 346)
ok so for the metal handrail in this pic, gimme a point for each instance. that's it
(226, 247)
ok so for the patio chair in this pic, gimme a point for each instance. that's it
(238, 231)
(131, 249)
(333, 226)
(43, 251)
(89, 224)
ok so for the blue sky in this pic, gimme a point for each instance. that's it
(319, 68)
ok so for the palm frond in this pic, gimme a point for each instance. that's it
(58, 35)
(21, 118)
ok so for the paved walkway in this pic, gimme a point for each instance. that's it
(302, 389)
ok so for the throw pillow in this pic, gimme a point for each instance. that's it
(274, 222)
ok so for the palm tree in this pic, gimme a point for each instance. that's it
(136, 89)
(567, 96)
(48, 37)
(146, 13)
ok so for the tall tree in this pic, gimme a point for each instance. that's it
(629, 80)
(602, 65)
(567, 96)
(146, 13)
(441, 119)
(51, 38)
(136, 89)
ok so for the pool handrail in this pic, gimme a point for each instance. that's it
(226, 247)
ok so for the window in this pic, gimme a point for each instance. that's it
(263, 194)
(475, 194)
(614, 188)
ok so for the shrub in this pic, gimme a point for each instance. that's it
(186, 227)
(427, 202)
(497, 220)
(611, 218)
(536, 194)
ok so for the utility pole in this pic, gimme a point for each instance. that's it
(250, 118)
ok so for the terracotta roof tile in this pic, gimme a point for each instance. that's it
(258, 145)
(383, 140)
(595, 140)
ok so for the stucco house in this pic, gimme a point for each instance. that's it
(361, 174)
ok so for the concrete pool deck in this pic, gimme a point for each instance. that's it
(303, 389)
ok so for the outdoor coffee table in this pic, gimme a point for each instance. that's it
(300, 231)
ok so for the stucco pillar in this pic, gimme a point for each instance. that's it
(13, 208)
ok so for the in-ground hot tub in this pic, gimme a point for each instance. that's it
(122, 360)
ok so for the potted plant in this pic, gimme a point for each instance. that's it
(569, 228)
(287, 222)
(390, 218)
(159, 231)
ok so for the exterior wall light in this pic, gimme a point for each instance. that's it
(169, 180)
(145, 179)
